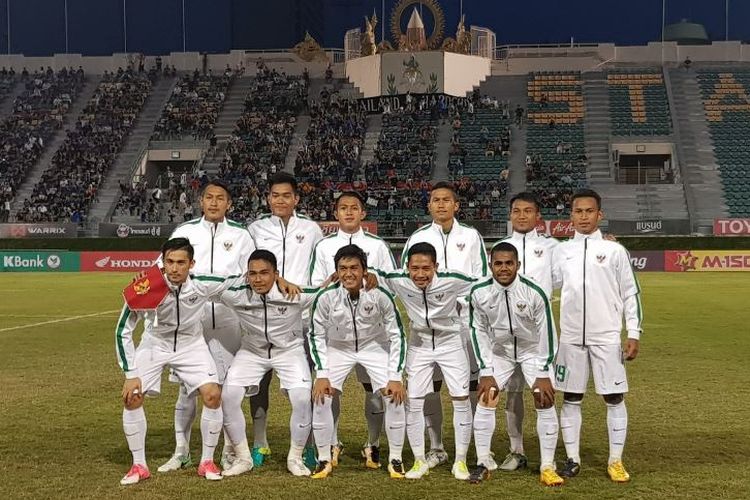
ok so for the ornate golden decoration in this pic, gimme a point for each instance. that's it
(438, 30)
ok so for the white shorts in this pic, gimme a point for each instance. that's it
(373, 358)
(449, 356)
(507, 370)
(290, 365)
(573, 363)
(193, 365)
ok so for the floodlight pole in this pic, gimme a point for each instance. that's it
(184, 44)
(8, 15)
(663, 27)
(66, 26)
(726, 20)
(382, 21)
(124, 27)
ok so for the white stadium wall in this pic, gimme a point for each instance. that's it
(364, 73)
(463, 73)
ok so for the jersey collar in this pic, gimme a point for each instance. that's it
(596, 235)
(350, 237)
(531, 235)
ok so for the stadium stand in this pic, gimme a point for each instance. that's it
(193, 107)
(727, 106)
(638, 103)
(556, 160)
(7, 82)
(69, 186)
(37, 114)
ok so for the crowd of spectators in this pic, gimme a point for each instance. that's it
(193, 107)
(36, 115)
(170, 197)
(70, 185)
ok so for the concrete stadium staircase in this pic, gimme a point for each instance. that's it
(374, 127)
(135, 144)
(296, 142)
(6, 107)
(53, 144)
(234, 106)
(699, 169)
(597, 127)
(442, 147)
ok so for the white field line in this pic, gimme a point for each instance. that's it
(61, 320)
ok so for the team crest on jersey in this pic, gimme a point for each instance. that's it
(440, 296)
(192, 300)
(300, 238)
(538, 252)
(282, 310)
(228, 245)
(368, 308)
(521, 306)
(600, 258)
(461, 246)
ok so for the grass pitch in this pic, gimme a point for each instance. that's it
(60, 411)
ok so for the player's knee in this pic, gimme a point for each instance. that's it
(459, 398)
(211, 394)
(573, 397)
(613, 399)
(492, 403)
(539, 405)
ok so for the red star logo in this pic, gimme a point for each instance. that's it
(686, 261)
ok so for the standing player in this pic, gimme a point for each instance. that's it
(350, 212)
(459, 248)
(599, 289)
(430, 298)
(512, 328)
(291, 238)
(273, 341)
(355, 327)
(535, 254)
(222, 247)
(172, 337)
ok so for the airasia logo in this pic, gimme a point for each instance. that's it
(556, 228)
(109, 262)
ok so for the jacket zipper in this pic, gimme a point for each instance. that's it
(524, 254)
(510, 324)
(445, 247)
(213, 311)
(353, 309)
(427, 317)
(265, 323)
(283, 247)
(585, 250)
(177, 299)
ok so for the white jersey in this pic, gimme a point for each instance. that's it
(432, 311)
(221, 249)
(291, 244)
(535, 254)
(175, 324)
(269, 321)
(462, 249)
(599, 287)
(513, 322)
(353, 325)
(322, 266)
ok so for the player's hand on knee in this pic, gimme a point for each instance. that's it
(141, 275)
(290, 290)
(544, 393)
(396, 391)
(488, 391)
(131, 391)
(632, 346)
(321, 389)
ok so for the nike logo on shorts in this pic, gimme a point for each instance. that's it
(620, 382)
(211, 374)
(464, 424)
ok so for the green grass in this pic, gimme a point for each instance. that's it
(60, 411)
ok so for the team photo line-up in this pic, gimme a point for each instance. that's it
(278, 296)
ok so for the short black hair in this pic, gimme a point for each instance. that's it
(587, 193)
(526, 196)
(350, 251)
(283, 178)
(264, 255)
(351, 194)
(504, 246)
(218, 183)
(177, 244)
(445, 185)
(422, 249)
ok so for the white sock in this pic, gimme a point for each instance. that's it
(415, 422)
(322, 425)
(227, 449)
(242, 450)
(301, 419)
(374, 413)
(547, 430)
(234, 418)
(617, 425)
(484, 427)
(212, 419)
(134, 425)
(462, 427)
(570, 425)
(433, 418)
(395, 423)
(336, 411)
(184, 415)
(514, 413)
